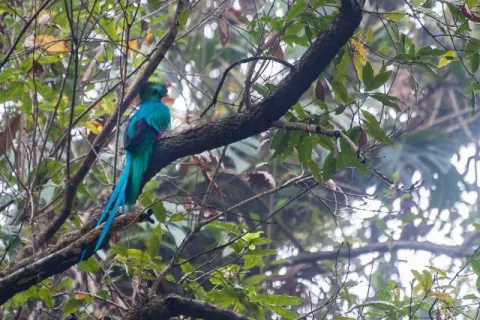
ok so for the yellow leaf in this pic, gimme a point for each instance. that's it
(133, 44)
(358, 64)
(369, 37)
(359, 57)
(94, 126)
(148, 38)
(395, 15)
(79, 296)
(446, 58)
(51, 44)
(359, 51)
(441, 296)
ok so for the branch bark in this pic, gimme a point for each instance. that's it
(173, 306)
(463, 251)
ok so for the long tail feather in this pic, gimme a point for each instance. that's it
(116, 200)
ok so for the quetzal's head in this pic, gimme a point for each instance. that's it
(154, 91)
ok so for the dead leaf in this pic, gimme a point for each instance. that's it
(237, 15)
(36, 70)
(330, 184)
(6, 136)
(279, 53)
(362, 140)
(223, 28)
(45, 18)
(148, 38)
(359, 50)
(29, 41)
(133, 44)
(46, 42)
(469, 14)
(441, 296)
(94, 126)
(183, 170)
(261, 179)
(319, 91)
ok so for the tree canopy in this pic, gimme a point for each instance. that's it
(322, 163)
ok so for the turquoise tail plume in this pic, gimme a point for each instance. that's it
(116, 200)
(144, 128)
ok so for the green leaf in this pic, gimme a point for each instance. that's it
(475, 266)
(473, 88)
(46, 296)
(71, 306)
(378, 81)
(284, 313)
(102, 294)
(425, 281)
(342, 92)
(261, 252)
(395, 15)
(439, 271)
(183, 18)
(379, 305)
(372, 127)
(313, 166)
(387, 100)
(89, 266)
(474, 62)
(136, 254)
(176, 217)
(430, 52)
(276, 300)
(261, 89)
(367, 74)
(329, 166)
(280, 142)
(348, 156)
(221, 297)
(472, 104)
(305, 151)
(21, 298)
(297, 107)
(254, 280)
(295, 10)
(446, 58)
(471, 3)
(159, 211)
(252, 261)
(154, 240)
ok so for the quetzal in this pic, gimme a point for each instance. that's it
(144, 128)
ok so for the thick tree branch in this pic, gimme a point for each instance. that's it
(56, 259)
(307, 128)
(463, 251)
(262, 115)
(174, 306)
